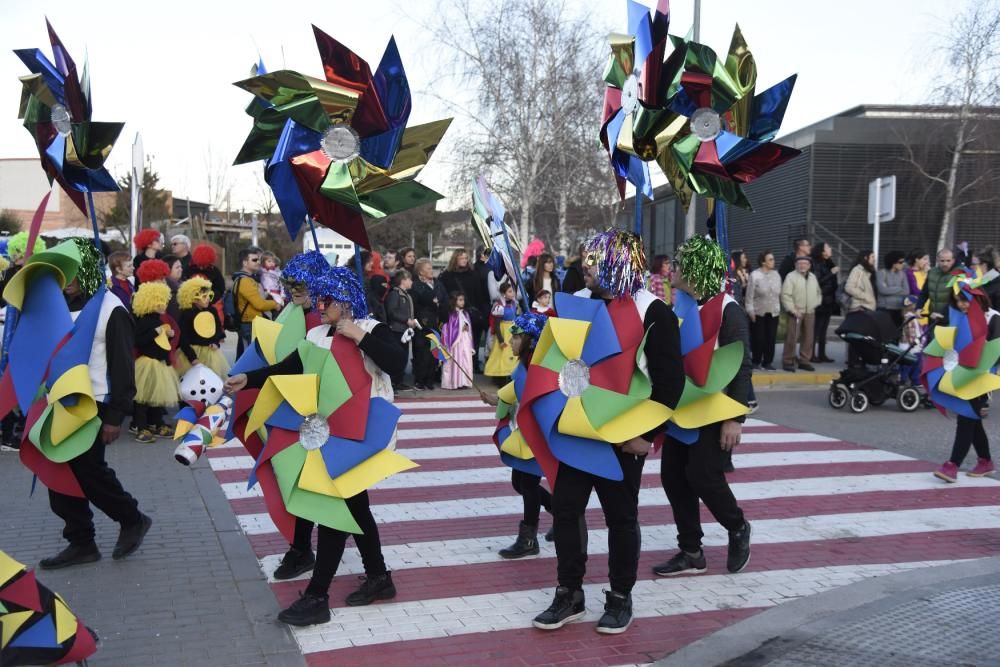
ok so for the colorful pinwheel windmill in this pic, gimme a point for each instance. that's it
(488, 213)
(959, 364)
(584, 392)
(344, 152)
(326, 439)
(633, 78)
(56, 108)
(719, 136)
(36, 625)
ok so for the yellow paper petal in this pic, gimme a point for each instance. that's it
(369, 473)
(11, 623)
(709, 410)
(570, 335)
(162, 341)
(632, 423)
(182, 428)
(314, 476)
(301, 391)
(545, 341)
(8, 568)
(945, 336)
(266, 332)
(507, 394)
(65, 622)
(517, 447)
(67, 421)
(981, 385)
(206, 324)
(74, 381)
(573, 420)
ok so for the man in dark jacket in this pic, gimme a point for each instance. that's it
(575, 279)
(802, 248)
(430, 307)
(936, 288)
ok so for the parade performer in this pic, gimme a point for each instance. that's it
(959, 371)
(79, 350)
(709, 418)
(457, 338)
(304, 474)
(603, 381)
(525, 474)
(502, 360)
(148, 245)
(201, 328)
(156, 386)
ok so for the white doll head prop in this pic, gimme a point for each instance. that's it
(201, 384)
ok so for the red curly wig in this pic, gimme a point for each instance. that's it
(152, 270)
(145, 238)
(203, 255)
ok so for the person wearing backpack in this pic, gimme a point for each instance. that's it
(247, 300)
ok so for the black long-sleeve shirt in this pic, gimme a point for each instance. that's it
(736, 327)
(145, 337)
(381, 345)
(189, 336)
(119, 341)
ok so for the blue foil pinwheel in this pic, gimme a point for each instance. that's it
(343, 151)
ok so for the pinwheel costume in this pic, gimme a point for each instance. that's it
(960, 370)
(603, 381)
(321, 426)
(156, 386)
(715, 342)
(36, 625)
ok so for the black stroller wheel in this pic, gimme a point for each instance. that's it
(859, 402)
(838, 396)
(909, 399)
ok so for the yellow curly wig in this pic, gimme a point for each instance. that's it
(150, 298)
(188, 292)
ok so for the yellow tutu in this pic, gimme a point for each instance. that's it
(155, 383)
(501, 361)
(213, 359)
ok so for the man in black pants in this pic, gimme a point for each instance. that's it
(615, 265)
(112, 375)
(695, 471)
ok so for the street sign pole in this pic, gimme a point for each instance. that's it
(881, 207)
(878, 202)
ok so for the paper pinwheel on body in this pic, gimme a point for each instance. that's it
(36, 625)
(585, 391)
(344, 152)
(960, 363)
(514, 450)
(56, 108)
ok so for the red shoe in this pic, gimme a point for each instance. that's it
(948, 472)
(983, 467)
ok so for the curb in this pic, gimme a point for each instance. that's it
(782, 378)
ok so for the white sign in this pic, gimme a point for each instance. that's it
(881, 206)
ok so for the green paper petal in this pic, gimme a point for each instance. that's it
(602, 405)
(726, 362)
(962, 375)
(692, 393)
(398, 197)
(293, 330)
(554, 359)
(70, 448)
(935, 349)
(333, 389)
(339, 184)
(316, 507)
(503, 409)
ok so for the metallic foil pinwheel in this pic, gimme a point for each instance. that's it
(959, 363)
(36, 625)
(343, 152)
(708, 368)
(488, 213)
(633, 75)
(714, 134)
(325, 439)
(585, 392)
(56, 108)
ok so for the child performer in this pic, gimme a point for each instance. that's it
(543, 304)
(457, 339)
(201, 330)
(502, 362)
(156, 386)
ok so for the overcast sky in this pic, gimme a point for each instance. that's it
(167, 68)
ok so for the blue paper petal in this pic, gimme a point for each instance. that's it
(341, 454)
(36, 61)
(592, 456)
(519, 376)
(187, 414)
(640, 26)
(638, 175)
(963, 332)
(294, 140)
(529, 466)
(686, 309)
(40, 635)
(77, 349)
(89, 180)
(43, 324)
(251, 360)
(732, 147)
(285, 417)
(602, 341)
(769, 110)
(682, 103)
(394, 93)
(686, 435)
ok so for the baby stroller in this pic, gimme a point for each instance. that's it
(873, 361)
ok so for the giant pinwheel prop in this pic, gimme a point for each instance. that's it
(514, 449)
(960, 363)
(36, 625)
(708, 368)
(56, 108)
(584, 392)
(324, 438)
(488, 213)
(344, 152)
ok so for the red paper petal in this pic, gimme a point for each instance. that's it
(698, 86)
(970, 355)
(343, 67)
(284, 521)
(698, 361)
(756, 164)
(350, 419)
(58, 477)
(707, 161)
(278, 440)
(310, 171)
(23, 592)
(84, 646)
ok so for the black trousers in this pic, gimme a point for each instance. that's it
(330, 545)
(620, 503)
(969, 433)
(821, 327)
(763, 333)
(101, 487)
(424, 363)
(535, 497)
(144, 416)
(692, 472)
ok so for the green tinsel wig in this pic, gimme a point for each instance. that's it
(702, 264)
(91, 273)
(18, 245)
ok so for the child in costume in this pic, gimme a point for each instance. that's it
(156, 386)
(201, 329)
(457, 338)
(502, 361)
(543, 304)
(912, 340)
(525, 474)
(270, 277)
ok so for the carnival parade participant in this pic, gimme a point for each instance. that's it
(618, 309)
(502, 361)
(201, 330)
(693, 469)
(525, 474)
(156, 386)
(456, 334)
(347, 333)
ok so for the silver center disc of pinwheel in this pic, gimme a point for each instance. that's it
(950, 360)
(574, 378)
(314, 432)
(340, 143)
(705, 124)
(61, 120)
(630, 93)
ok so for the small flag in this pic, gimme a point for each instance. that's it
(437, 348)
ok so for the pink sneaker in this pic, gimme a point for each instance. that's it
(948, 472)
(983, 467)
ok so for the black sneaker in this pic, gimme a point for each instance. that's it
(752, 404)
(617, 614)
(133, 429)
(371, 589)
(567, 606)
(682, 563)
(130, 537)
(309, 609)
(74, 554)
(10, 446)
(294, 563)
(550, 534)
(739, 548)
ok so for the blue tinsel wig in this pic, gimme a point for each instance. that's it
(303, 269)
(530, 324)
(340, 284)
